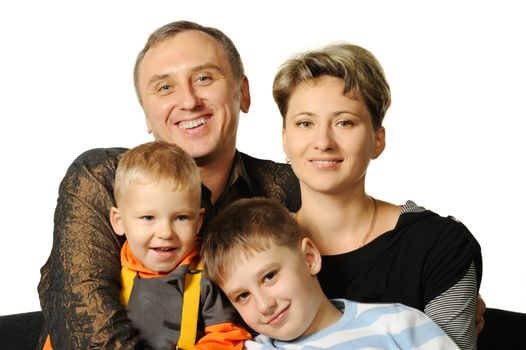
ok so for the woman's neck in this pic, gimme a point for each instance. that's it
(336, 223)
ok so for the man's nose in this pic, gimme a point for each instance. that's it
(186, 97)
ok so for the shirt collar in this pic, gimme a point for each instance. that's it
(238, 172)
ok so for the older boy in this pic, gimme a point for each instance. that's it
(255, 252)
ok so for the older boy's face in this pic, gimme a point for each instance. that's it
(190, 95)
(272, 291)
(160, 224)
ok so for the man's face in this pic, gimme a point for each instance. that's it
(191, 97)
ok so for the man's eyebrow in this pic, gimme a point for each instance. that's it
(206, 66)
(158, 77)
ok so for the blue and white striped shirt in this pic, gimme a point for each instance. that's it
(368, 326)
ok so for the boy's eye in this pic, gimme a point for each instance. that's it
(147, 217)
(242, 297)
(182, 218)
(269, 276)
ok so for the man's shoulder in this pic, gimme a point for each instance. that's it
(99, 155)
(273, 180)
(263, 163)
(96, 163)
(264, 171)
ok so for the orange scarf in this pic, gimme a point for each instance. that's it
(129, 261)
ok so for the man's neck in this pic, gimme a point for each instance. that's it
(214, 174)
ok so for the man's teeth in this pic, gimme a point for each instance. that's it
(193, 123)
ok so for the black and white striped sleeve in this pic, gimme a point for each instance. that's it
(454, 310)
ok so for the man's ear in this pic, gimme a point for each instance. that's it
(116, 221)
(245, 95)
(311, 255)
(379, 142)
(148, 125)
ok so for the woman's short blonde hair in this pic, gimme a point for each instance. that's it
(357, 67)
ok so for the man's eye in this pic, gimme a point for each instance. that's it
(203, 79)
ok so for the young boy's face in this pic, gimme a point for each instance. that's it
(160, 224)
(274, 290)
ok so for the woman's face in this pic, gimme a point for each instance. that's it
(329, 137)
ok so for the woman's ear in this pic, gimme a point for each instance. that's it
(116, 221)
(379, 142)
(311, 255)
(284, 142)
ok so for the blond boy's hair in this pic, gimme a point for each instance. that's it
(155, 162)
(246, 226)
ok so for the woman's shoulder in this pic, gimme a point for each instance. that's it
(437, 232)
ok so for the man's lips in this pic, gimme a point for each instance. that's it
(191, 124)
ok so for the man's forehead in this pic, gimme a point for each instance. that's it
(187, 49)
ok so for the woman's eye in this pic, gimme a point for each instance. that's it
(304, 124)
(345, 123)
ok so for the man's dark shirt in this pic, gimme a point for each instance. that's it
(80, 283)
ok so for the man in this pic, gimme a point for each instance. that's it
(191, 85)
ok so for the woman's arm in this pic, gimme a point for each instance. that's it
(454, 310)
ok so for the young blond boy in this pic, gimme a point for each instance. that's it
(255, 252)
(158, 196)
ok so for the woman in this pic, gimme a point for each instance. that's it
(333, 102)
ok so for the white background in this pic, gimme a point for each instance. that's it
(454, 132)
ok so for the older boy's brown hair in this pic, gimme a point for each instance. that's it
(246, 226)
